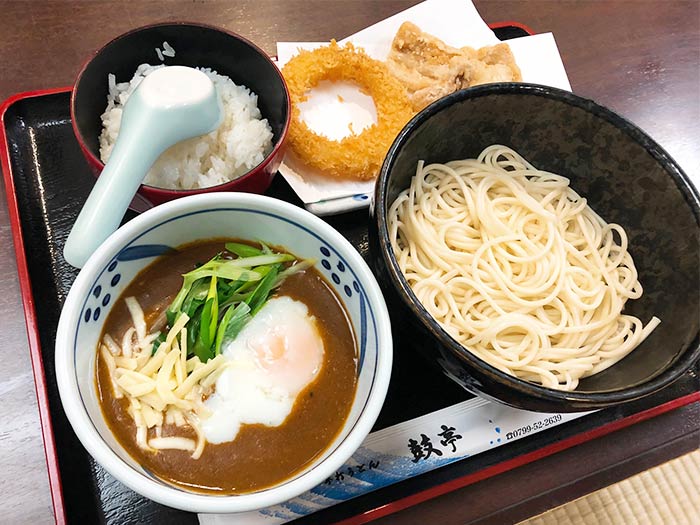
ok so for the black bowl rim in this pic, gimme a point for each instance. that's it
(278, 145)
(526, 388)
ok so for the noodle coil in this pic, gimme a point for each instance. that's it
(517, 268)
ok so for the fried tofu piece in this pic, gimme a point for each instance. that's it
(430, 69)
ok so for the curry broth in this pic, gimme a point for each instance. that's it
(260, 456)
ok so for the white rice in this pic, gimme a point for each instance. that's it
(168, 50)
(240, 143)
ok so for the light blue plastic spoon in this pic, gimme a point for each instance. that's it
(170, 105)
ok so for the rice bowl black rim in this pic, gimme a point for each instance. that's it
(584, 400)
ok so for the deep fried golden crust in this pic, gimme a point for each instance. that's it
(357, 156)
(431, 69)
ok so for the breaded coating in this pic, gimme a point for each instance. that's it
(430, 69)
(359, 155)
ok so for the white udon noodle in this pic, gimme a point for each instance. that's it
(516, 267)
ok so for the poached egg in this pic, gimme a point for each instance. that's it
(275, 356)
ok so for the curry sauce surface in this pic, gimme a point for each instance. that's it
(260, 456)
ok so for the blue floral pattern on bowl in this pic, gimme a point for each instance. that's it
(334, 266)
(111, 277)
(97, 300)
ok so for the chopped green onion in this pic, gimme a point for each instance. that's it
(262, 292)
(225, 271)
(243, 250)
(157, 342)
(193, 331)
(231, 324)
(260, 260)
(221, 295)
(194, 299)
(202, 345)
(214, 297)
(295, 268)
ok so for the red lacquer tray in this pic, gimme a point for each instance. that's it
(47, 180)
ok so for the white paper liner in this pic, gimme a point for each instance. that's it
(456, 22)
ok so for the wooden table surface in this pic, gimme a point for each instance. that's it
(639, 58)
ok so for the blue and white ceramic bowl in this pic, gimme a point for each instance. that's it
(234, 215)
